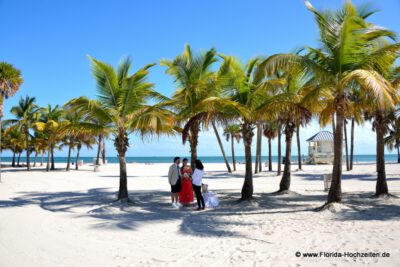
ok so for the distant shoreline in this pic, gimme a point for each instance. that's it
(389, 158)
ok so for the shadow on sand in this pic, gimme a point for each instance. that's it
(152, 206)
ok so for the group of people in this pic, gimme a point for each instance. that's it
(184, 181)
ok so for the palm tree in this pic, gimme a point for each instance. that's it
(10, 81)
(346, 40)
(221, 147)
(383, 78)
(14, 140)
(392, 140)
(39, 146)
(195, 82)
(123, 104)
(298, 146)
(83, 139)
(233, 132)
(77, 123)
(270, 132)
(26, 113)
(292, 105)
(244, 88)
(51, 124)
(258, 163)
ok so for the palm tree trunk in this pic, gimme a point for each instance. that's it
(381, 184)
(100, 140)
(260, 149)
(233, 154)
(247, 189)
(48, 158)
(333, 124)
(121, 144)
(269, 155)
(221, 147)
(28, 163)
(19, 157)
(35, 159)
(1, 116)
(78, 150)
(346, 146)
(285, 181)
(13, 160)
(335, 191)
(52, 158)
(257, 150)
(103, 152)
(279, 151)
(193, 140)
(69, 156)
(41, 161)
(352, 144)
(398, 154)
(298, 146)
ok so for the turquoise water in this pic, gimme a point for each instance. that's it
(205, 159)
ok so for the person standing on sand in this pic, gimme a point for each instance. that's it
(174, 179)
(186, 193)
(197, 178)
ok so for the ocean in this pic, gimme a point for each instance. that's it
(205, 159)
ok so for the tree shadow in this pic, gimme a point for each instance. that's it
(154, 207)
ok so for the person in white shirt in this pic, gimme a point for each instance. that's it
(197, 177)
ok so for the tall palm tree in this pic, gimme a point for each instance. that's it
(83, 140)
(292, 105)
(14, 140)
(51, 124)
(26, 113)
(244, 89)
(258, 163)
(298, 147)
(270, 132)
(123, 103)
(392, 140)
(39, 146)
(346, 40)
(10, 81)
(385, 79)
(221, 146)
(233, 132)
(195, 82)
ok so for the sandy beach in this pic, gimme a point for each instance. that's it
(69, 219)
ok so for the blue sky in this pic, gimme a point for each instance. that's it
(50, 40)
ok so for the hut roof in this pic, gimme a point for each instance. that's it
(321, 136)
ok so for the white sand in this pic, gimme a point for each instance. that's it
(68, 219)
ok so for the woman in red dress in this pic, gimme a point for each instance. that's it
(186, 193)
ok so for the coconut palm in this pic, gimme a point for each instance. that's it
(26, 113)
(270, 132)
(39, 146)
(346, 40)
(384, 78)
(292, 105)
(233, 132)
(123, 104)
(244, 90)
(392, 140)
(257, 166)
(195, 82)
(51, 124)
(14, 140)
(83, 140)
(10, 81)
(221, 146)
(77, 123)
